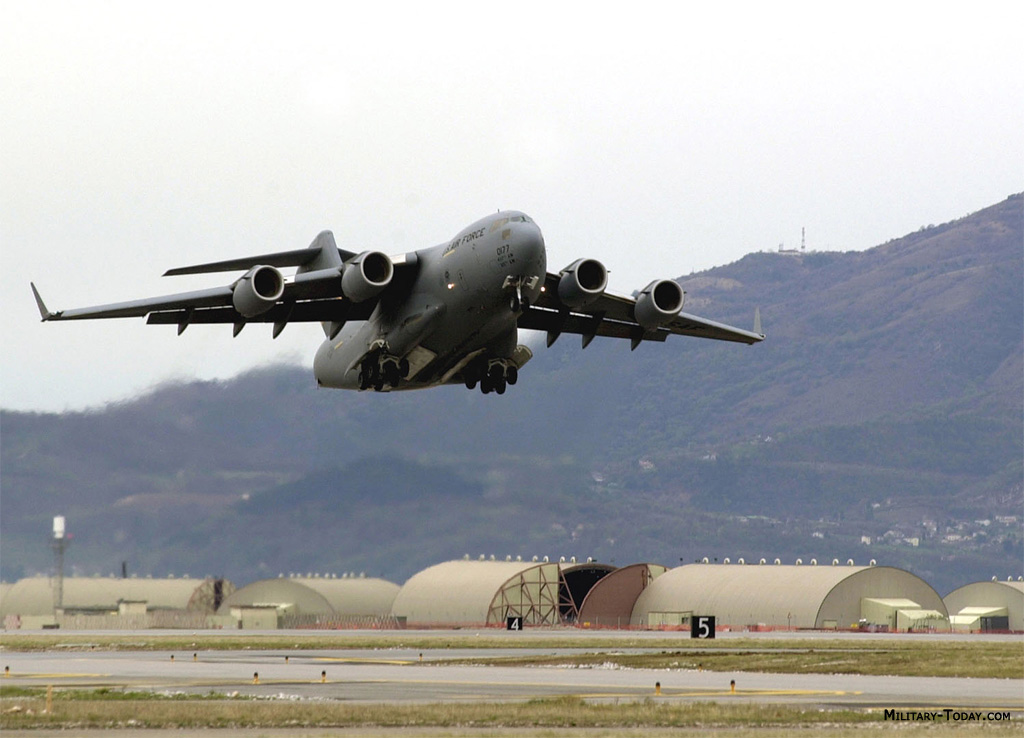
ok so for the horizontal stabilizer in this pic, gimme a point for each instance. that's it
(294, 258)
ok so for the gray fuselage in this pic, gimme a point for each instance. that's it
(462, 306)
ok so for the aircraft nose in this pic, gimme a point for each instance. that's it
(529, 241)
(531, 261)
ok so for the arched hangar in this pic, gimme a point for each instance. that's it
(477, 593)
(35, 596)
(819, 597)
(987, 606)
(311, 600)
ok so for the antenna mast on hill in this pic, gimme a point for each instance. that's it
(803, 242)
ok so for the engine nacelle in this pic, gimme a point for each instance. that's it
(257, 291)
(582, 282)
(366, 276)
(658, 303)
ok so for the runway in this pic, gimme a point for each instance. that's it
(411, 676)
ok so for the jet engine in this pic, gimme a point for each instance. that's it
(582, 282)
(366, 275)
(658, 303)
(257, 291)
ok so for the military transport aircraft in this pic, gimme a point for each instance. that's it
(443, 315)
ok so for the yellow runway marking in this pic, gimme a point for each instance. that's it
(57, 676)
(737, 693)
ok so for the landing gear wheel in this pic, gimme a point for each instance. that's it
(391, 374)
(512, 374)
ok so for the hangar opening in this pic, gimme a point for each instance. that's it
(578, 581)
(478, 593)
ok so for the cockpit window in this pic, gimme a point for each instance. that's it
(502, 222)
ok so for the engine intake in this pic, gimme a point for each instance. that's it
(582, 282)
(257, 291)
(366, 276)
(659, 302)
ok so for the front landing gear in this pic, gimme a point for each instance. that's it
(518, 302)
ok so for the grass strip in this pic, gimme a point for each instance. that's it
(97, 711)
(983, 660)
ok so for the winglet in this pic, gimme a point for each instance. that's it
(757, 322)
(43, 312)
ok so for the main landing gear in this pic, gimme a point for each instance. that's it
(493, 375)
(380, 370)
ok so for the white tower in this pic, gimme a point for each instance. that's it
(60, 544)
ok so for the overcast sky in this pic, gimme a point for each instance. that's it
(660, 138)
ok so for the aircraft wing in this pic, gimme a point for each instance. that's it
(315, 295)
(614, 316)
(215, 306)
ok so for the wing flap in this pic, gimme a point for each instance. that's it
(317, 311)
(555, 323)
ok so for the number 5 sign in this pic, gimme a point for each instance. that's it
(702, 626)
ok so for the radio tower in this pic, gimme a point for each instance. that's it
(59, 545)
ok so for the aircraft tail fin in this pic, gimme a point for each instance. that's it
(325, 255)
